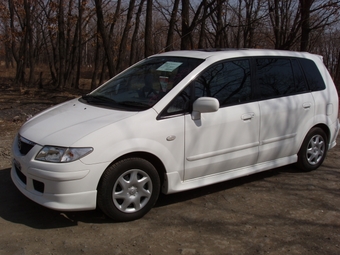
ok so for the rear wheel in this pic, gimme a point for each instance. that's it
(313, 150)
(128, 189)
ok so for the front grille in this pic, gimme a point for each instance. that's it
(24, 145)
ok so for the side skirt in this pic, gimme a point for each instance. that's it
(173, 182)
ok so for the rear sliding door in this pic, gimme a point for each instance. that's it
(286, 107)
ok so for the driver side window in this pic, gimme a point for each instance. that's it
(228, 81)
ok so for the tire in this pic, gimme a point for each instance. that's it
(313, 150)
(128, 189)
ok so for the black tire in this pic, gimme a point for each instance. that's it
(313, 150)
(128, 189)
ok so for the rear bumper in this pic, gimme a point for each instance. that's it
(336, 128)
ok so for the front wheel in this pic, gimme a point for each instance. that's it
(313, 150)
(128, 189)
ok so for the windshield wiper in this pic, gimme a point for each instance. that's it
(134, 104)
(99, 100)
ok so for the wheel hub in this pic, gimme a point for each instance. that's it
(316, 150)
(132, 191)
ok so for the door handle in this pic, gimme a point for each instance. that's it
(307, 106)
(247, 116)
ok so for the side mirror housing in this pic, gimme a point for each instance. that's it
(203, 105)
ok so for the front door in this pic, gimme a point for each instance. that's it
(229, 138)
(221, 141)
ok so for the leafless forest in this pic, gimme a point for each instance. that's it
(59, 44)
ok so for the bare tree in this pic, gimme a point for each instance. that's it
(61, 46)
(61, 36)
(19, 52)
(81, 5)
(6, 34)
(171, 30)
(106, 37)
(285, 21)
(98, 62)
(324, 14)
(189, 27)
(122, 56)
(148, 46)
(186, 36)
(133, 51)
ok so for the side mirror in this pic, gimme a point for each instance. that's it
(203, 105)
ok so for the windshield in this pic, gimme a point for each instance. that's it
(143, 85)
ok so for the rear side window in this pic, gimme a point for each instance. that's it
(299, 77)
(275, 77)
(313, 76)
(228, 81)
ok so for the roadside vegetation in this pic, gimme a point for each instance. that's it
(78, 44)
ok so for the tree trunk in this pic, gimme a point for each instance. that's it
(133, 52)
(105, 37)
(148, 48)
(219, 26)
(18, 54)
(31, 59)
(124, 40)
(202, 38)
(305, 6)
(81, 4)
(186, 33)
(172, 23)
(61, 46)
(97, 65)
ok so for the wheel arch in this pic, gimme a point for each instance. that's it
(154, 160)
(326, 129)
(312, 153)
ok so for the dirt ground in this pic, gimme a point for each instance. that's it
(281, 211)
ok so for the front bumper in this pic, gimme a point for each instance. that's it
(60, 186)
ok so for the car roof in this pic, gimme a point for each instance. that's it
(233, 53)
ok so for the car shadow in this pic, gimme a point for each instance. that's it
(165, 200)
(16, 208)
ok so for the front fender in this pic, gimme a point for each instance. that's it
(169, 156)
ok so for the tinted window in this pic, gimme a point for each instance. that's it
(299, 78)
(313, 76)
(275, 77)
(229, 82)
(180, 104)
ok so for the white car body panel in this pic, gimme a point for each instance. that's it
(280, 120)
(215, 142)
(65, 124)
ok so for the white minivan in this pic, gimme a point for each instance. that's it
(177, 121)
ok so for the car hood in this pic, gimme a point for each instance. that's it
(65, 124)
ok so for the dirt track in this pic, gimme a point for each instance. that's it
(281, 211)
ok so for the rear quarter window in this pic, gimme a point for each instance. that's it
(312, 74)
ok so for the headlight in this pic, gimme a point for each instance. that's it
(61, 154)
